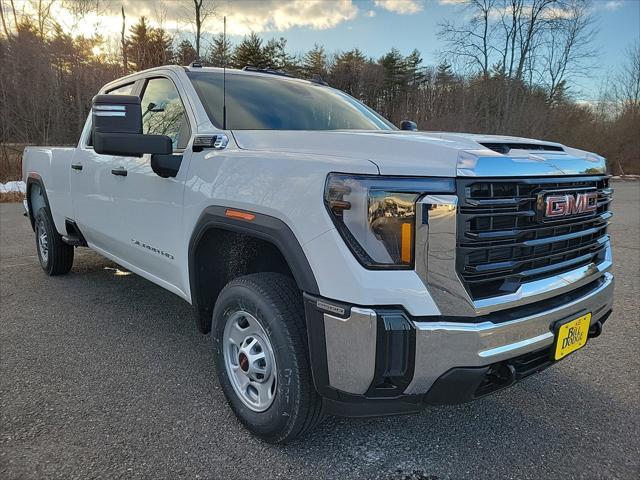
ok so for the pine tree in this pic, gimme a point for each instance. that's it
(148, 47)
(415, 70)
(315, 62)
(276, 56)
(161, 47)
(347, 72)
(185, 53)
(138, 45)
(250, 52)
(220, 49)
(394, 71)
(444, 75)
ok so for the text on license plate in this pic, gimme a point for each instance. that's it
(572, 335)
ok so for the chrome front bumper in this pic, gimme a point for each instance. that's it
(441, 346)
(351, 339)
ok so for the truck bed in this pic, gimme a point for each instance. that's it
(51, 166)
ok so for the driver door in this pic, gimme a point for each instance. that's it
(152, 206)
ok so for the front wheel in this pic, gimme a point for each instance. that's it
(262, 356)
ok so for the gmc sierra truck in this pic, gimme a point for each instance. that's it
(342, 265)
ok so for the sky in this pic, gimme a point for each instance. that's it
(374, 26)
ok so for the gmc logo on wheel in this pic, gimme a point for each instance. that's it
(556, 206)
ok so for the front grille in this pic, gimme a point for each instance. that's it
(502, 241)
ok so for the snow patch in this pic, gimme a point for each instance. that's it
(15, 186)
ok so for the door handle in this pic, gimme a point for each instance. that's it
(76, 166)
(121, 172)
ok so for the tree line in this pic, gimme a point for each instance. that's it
(508, 69)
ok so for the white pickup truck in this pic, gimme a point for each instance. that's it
(342, 265)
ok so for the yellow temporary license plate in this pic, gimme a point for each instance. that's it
(571, 336)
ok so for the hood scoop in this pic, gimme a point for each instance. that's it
(505, 148)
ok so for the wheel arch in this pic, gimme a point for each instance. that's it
(35, 183)
(222, 248)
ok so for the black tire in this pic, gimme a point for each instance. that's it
(276, 303)
(58, 258)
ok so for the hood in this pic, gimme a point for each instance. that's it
(435, 154)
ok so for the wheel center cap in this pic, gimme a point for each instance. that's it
(244, 362)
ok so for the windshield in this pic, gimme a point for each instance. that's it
(256, 102)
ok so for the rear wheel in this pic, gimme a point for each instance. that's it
(56, 257)
(262, 356)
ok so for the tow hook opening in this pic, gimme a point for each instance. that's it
(595, 330)
(502, 375)
(499, 376)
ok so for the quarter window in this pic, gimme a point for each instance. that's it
(163, 112)
(123, 90)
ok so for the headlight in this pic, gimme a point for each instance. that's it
(376, 216)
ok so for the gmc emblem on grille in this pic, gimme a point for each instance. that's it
(557, 206)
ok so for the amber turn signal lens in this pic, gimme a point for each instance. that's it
(240, 215)
(407, 237)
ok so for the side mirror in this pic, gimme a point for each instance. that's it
(408, 125)
(116, 128)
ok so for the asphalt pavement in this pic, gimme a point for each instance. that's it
(104, 375)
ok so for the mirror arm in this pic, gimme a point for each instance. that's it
(166, 166)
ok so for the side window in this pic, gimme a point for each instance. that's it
(123, 90)
(163, 112)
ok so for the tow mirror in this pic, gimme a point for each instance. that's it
(408, 125)
(116, 128)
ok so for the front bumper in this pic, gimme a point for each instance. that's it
(372, 361)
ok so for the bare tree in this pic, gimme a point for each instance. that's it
(13, 10)
(4, 23)
(81, 8)
(534, 18)
(472, 40)
(627, 83)
(526, 41)
(199, 12)
(123, 43)
(42, 10)
(510, 14)
(570, 46)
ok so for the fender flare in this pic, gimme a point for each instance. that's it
(263, 227)
(35, 178)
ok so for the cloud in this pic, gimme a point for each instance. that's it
(260, 16)
(402, 7)
(613, 5)
(270, 15)
(371, 13)
(451, 2)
